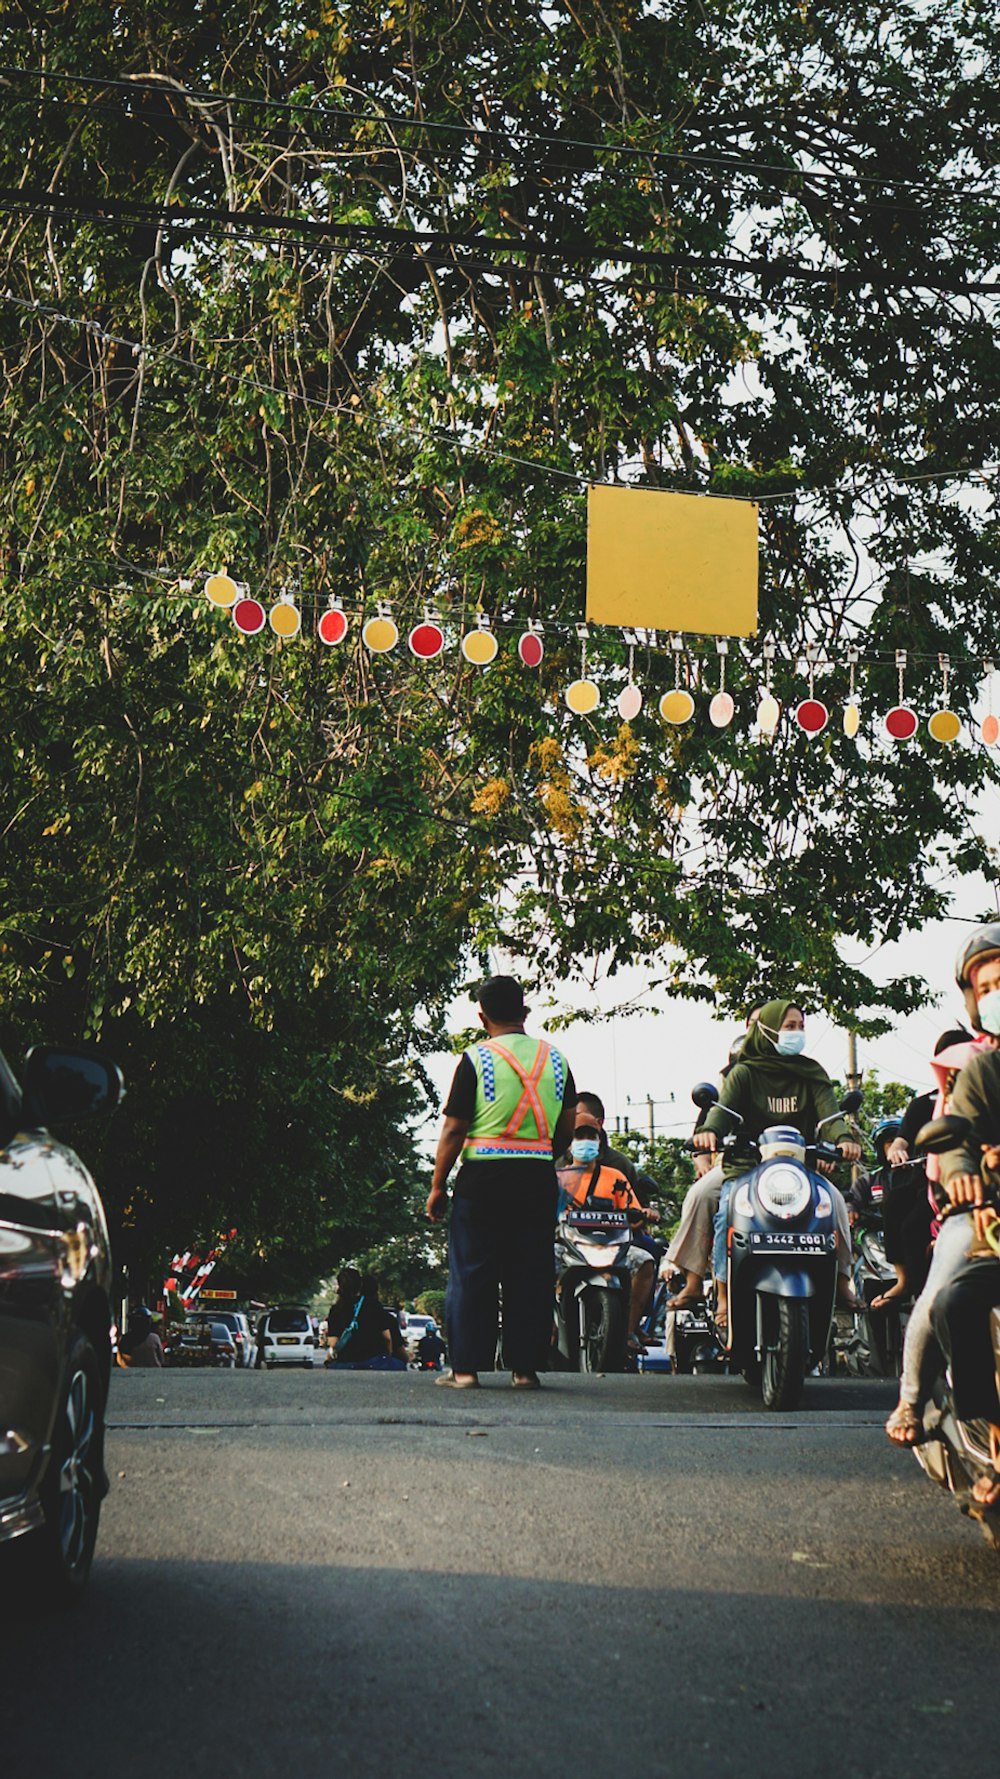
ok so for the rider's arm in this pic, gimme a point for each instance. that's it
(976, 1097)
(715, 1126)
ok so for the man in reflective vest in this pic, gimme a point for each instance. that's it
(511, 1107)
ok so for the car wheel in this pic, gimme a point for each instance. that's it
(307, 1364)
(57, 1558)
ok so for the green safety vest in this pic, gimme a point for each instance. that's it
(520, 1084)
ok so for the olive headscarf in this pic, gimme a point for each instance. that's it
(759, 1052)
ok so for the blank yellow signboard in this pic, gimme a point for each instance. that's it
(671, 562)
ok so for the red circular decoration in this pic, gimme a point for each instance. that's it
(901, 723)
(812, 716)
(426, 641)
(332, 626)
(531, 649)
(249, 616)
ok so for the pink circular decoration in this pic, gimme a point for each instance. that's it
(901, 723)
(249, 616)
(426, 641)
(990, 730)
(531, 649)
(629, 703)
(332, 626)
(812, 716)
(721, 710)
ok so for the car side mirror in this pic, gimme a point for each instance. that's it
(61, 1084)
(942, 1134)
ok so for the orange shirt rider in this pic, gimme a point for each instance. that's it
(584, 1181)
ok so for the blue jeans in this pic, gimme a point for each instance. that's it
(719, 1240)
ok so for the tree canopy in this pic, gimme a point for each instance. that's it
(357, 302)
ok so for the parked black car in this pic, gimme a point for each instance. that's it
(55, 1317)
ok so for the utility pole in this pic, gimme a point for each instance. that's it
(853, 1072)
(652, 1127)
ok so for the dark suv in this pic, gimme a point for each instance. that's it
(55, 1316)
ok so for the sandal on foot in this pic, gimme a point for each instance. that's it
(528, 1380)
(985, 1490)
(904, 1426)
(448, 1381)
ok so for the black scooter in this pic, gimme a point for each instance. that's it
(781, 1262)
(952, 1452)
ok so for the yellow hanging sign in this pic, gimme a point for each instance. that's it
(681, 562)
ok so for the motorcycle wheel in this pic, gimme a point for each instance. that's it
(605, 1330)
(784, 1365)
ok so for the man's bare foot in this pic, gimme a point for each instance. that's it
(903, 1425)
(458, 1380)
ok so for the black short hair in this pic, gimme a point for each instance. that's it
(958, 1035)
(502, 999)
(593, 1103)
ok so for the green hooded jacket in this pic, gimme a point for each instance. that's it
(765, 1088)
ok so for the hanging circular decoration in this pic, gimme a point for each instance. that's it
(380, 635)
(583, 696)
(479, 647)
(677, 706)
(989, 730)
(721, 710)
(332, 627)
(812, 716)
(249, 616)
(852, 720)
(222, 590)
(426, 640)
(944, 725)
(629, 703)
(531, 649)
(901, 723)
(768, 714)
(285, 618)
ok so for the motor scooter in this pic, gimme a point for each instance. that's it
(592, 1288)
(952, 1452)
(781, 1255)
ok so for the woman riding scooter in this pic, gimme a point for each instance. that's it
(774, 1083)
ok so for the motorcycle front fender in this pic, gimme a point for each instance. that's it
(605, 1281)
(785, 1281)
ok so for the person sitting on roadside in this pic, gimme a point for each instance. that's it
(359, 1326)
(587, 1179)
(774, 1082)
(141, 1346)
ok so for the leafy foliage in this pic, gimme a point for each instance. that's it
(428, 271)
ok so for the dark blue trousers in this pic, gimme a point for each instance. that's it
(491, 1247)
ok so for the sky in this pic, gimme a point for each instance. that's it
(661, 1050)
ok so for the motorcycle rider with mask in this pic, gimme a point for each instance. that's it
(587, 1178)
(773, 1082)
(965, 1275)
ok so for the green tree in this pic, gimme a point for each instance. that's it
(354, 303)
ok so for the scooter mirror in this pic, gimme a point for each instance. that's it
(942, 1134)
(705, 1095)
(851, 1102)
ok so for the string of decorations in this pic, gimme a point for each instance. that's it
(427, 640)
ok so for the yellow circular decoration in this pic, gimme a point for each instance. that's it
(944, 725)
(222, 590)
(479, 647)
(380, 635)
(768, 713)
(677, 706)
(286, 619)
(583, 696)
(989, 729)
(852, 720)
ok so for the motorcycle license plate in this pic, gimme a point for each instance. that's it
(791, 1241)
(607, 1219)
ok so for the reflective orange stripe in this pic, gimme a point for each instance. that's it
(529, 1098)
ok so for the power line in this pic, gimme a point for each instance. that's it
(485, 132)
(492, 248)
(443, 435)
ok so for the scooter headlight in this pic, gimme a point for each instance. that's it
(783, 1192)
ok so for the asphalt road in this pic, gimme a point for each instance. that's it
(309, 1574)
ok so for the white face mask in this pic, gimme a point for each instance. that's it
(790, 1043)
(988, 1011)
